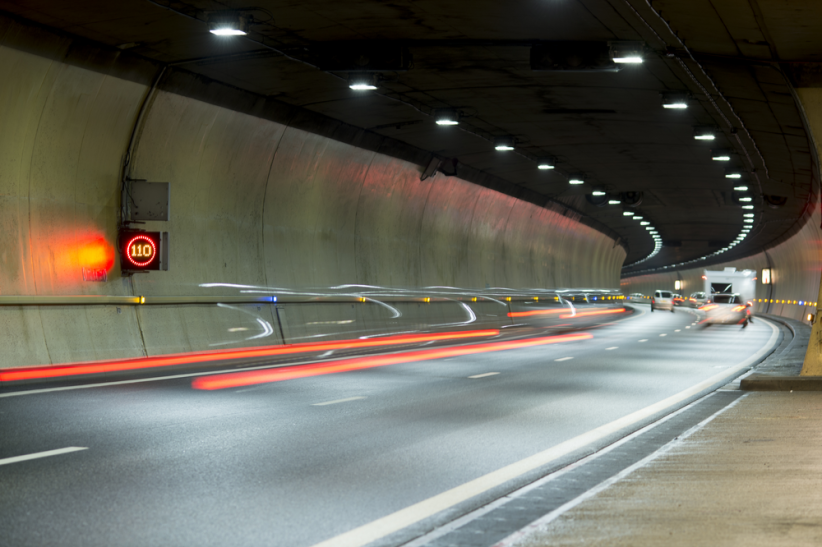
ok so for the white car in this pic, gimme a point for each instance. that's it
(727, 309)
(662, 300)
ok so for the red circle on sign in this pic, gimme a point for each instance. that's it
(134, 255)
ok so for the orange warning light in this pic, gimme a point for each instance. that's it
(97, 254)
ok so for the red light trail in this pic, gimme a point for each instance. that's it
(592, 312)
(239, 379)
(537, 312)
(76, 369)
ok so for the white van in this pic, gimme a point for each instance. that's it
(662, 300)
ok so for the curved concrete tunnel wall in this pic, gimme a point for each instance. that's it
(253, 202)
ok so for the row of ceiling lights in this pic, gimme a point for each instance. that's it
(234, 24)
(625, 53)
(733, 173)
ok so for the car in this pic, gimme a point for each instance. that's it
(662, 300)
(727, 309)
(679, 300)
(698, 299)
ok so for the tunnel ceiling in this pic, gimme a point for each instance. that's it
(738, 61)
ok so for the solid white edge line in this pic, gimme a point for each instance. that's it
(484, 375)
(453, 525)
(46, 454)
(544, 521)
(338, 401)
(412, 514)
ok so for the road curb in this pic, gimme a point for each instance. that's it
(765, 382)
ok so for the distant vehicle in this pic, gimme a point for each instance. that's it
(698, 299)
(662, 300)
(635, 296)
(679, 300)
(727, 309)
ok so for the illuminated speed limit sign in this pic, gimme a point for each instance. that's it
(143, 251)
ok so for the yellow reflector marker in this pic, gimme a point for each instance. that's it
(142, 300)
(474, 299)
(426, 299)
(507, 298)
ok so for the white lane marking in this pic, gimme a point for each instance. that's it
(45, 454)
(338, 401)
(688, 327)
(553, 515)
(609, 349)
(327, 353)
(678, 330)
(484, 375)
(564, 359)
(663, 334)
(382, 527)
(645, 340)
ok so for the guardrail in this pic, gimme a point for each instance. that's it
(96, 300)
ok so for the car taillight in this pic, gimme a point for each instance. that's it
(653, 301)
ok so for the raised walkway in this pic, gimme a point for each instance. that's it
(749, 475)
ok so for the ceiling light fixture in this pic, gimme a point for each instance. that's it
(227, 23)
(504, 144)
(446, 116)
(597, 193)
(720, 155)
(744, 199)
(741, 188)
(363, 81)
(677, 101)
(614, 202)
(732, 173)
(748, 206)
(546, 163)
(705, 133)
(627, 52)
(627, 214)
(579, 180)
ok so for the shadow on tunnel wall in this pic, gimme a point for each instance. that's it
(253, 202)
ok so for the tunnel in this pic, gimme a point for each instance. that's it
(390, 273)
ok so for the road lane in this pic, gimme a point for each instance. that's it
(170, 465)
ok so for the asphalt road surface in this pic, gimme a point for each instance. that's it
(378, 455)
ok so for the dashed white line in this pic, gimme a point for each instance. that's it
(663, 334)
(484, 375)
(688, 327)
(338, 401)
(564, 359)
(678, 330)
(645, 340)
(45, 454)
(609, 349)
